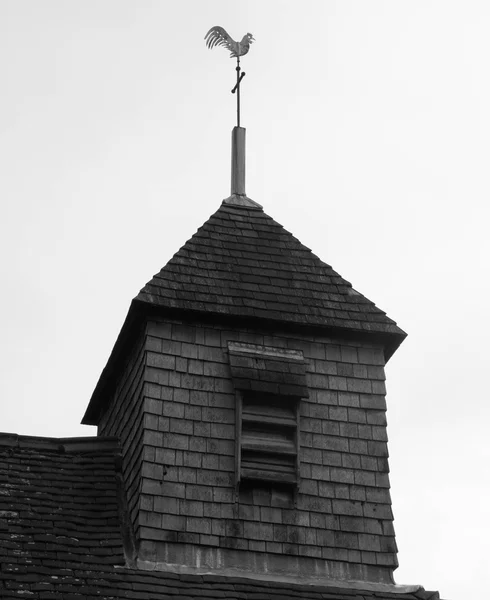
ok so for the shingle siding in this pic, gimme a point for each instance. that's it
(343, 509)
(62, 538)
(124, 419)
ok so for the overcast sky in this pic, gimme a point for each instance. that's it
(368, 137)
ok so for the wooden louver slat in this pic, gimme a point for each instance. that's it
(268, 447)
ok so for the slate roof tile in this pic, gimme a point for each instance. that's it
(241, 253)
(57, 504)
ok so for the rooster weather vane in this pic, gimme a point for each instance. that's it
(217, 36)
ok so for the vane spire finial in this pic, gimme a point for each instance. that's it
(217, 36)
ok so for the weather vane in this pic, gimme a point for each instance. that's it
(217, 36)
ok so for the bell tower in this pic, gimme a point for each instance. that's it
(247, 388)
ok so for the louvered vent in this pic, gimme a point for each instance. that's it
(269, 438)
(270, 383)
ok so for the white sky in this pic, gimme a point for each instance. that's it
(368, 137)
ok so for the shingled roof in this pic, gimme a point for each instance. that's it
(62, 535)
(242, 263)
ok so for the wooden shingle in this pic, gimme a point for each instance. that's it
(242, 263)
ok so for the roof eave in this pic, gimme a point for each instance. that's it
(140, 310)
(130, 327)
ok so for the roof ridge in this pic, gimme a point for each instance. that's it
(82, 444)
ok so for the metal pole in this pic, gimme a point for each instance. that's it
(238, 90)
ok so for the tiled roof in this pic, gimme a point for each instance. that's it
(59, 502)
(61, 535)
(242, 263)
